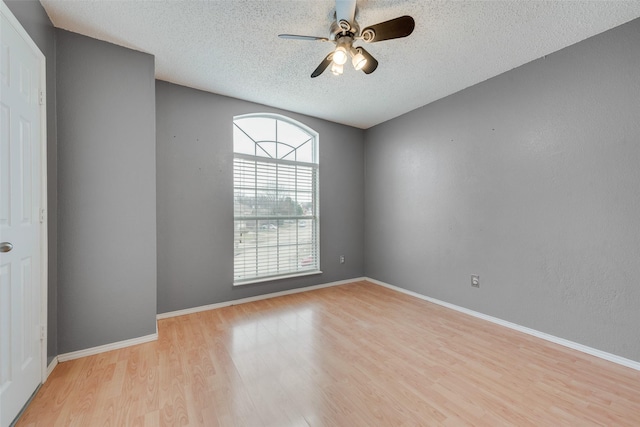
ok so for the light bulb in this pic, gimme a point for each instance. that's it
(359, 61)
(337, 69)
(340, 55)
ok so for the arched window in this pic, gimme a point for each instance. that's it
(275, 189)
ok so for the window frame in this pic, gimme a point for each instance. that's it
(313, 218)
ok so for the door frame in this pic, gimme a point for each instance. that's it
(43, 217)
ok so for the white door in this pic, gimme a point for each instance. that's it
(21, 231)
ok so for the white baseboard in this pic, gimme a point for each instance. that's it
(107, 347)
(152, 337)
(50, 368)
(251, 299)
(566, 343)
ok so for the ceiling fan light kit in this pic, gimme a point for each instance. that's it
(337, 69)
(345, 31)
(358, 60)
(340, 55)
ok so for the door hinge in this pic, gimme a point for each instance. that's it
(42, 333)
(43, 216)
(41, 98)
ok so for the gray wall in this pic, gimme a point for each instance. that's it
(531, 180)
(35, 21)
(195, 199)
(106, 193)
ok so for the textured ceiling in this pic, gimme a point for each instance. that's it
(231, 47)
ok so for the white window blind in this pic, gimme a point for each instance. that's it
(275, 199)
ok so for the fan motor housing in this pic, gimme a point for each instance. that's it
(338, 32)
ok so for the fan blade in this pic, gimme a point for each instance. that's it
(392, 29)
(323, 66)
(297, 37)
(371, 64)
(346, 10)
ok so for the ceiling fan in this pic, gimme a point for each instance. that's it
(345, 31)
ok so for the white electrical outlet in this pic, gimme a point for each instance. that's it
(475, 281)
(341, 259)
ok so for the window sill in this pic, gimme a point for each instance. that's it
(272, 278)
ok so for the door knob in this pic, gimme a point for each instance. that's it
(5, 247)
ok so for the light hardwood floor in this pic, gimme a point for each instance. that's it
(352, 355)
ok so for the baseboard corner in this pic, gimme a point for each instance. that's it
(107, 347)
(50, 367)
